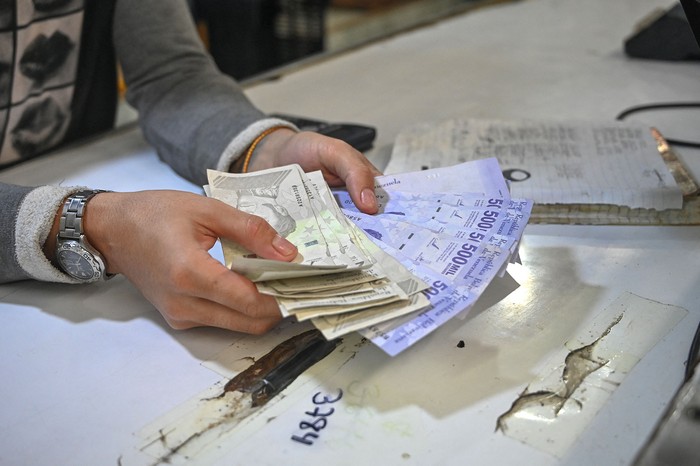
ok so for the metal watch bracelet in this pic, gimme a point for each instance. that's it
(71, 237)
(71, 222)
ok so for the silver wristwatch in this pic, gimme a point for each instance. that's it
(74, 254)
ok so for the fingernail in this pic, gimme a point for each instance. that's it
(283, 246)
(368, 198)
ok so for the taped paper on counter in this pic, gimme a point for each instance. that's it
(556, 407)
(212, 423)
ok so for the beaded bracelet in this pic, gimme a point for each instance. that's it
(254, 144)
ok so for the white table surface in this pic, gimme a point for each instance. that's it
(86, 367)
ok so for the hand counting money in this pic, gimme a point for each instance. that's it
(440, 237)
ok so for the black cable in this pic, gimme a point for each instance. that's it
(663, 106)
(693, 356)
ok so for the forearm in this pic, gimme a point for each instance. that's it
(194, 116)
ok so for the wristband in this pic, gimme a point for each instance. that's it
(254, 144)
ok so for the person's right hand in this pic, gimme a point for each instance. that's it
(160, 240)
(338, 161)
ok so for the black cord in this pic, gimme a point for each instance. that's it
(693, 355)
(663, 106)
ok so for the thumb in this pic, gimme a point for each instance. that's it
(255, 234)
(360, 185)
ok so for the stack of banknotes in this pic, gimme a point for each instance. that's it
(440, 237)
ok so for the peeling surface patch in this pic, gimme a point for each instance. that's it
(578, 365)
(555, 408)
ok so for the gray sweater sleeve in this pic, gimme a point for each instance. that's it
(195, 116)
(28, 214)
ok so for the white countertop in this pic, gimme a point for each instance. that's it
(87, 367)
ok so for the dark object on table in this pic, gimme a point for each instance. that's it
(360, 137)
(692, 13)
(274, 371)
(667, 35)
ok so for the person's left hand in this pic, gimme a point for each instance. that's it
(339, 162)
(160, 241)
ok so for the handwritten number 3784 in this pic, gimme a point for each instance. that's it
(318, 417)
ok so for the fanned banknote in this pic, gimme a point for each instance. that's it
(455, 233)
(334, 255)
(439, 239)
(280, 196)
(481, 176)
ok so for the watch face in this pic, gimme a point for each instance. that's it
(76, 265)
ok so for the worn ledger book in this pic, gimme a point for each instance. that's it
(576, 172)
